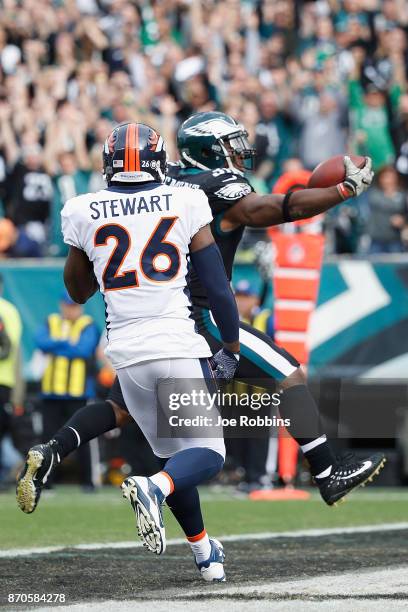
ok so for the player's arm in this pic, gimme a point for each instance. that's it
(207, 261)
(79, 276)
(265, 210)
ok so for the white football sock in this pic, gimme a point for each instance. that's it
(201, 548)
(164, 482)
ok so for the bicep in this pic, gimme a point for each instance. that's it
(79, 276)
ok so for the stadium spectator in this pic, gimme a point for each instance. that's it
(70, 180)
(275, 127)
(321, 118)
(373, 99)
(69, 71)
(69, 339)
(401, 138)
(15, 242)
(29, 192)
(387, 213)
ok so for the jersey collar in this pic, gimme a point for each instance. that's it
(134, 188)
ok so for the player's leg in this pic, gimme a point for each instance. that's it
(191, 461)
(208, 552)
(84, 458)
(184, 505)
(275, 369)
(87, 423)
(91, 421)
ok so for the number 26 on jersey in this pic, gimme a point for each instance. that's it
(159, 260)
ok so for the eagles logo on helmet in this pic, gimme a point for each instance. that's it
(134, 153)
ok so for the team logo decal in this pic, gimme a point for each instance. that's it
(155, 141)
(110, 142)
(233, 191)
(212, 127)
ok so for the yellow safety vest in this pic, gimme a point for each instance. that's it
(64, 376)
(261, 320)
(13, 327)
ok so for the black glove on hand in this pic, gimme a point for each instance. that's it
(224, 364)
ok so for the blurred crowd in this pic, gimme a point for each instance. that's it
(309, 79)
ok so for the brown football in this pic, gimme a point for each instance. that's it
(331, 172)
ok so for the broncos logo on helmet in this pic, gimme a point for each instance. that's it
(111, 141)
(156, 141)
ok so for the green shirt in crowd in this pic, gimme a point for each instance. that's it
(373, 122)
(66, 186)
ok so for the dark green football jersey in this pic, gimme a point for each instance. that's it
(223, 188)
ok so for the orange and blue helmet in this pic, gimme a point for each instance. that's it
(134, 153)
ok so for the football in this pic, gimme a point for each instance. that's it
(331, 172)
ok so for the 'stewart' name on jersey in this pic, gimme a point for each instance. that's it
(138, 241)
(130, 205)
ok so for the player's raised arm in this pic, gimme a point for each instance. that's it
(207, 261)
(265, 210)
(79, 277)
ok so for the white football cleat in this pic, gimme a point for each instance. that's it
(212, 570)
(146, 499)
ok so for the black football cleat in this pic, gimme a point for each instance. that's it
(349, 474)
(41, 460)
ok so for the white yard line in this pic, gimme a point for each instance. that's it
(377, 582)
(267, 535)
(368, 591)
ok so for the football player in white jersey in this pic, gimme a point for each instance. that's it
(134, 241)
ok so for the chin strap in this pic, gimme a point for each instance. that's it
(193, 162)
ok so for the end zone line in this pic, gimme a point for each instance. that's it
(266, 535)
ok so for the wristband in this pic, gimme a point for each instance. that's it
(287, 217)
(343, 191)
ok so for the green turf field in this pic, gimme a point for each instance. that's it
(69, 517)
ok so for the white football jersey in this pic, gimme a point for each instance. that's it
(138, 241)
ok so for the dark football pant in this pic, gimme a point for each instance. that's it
(262, 363)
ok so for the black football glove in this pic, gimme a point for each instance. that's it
(224, 364)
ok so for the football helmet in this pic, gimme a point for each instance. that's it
(212, 140)
(134, 153)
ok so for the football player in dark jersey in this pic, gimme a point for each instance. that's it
(214, 151)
